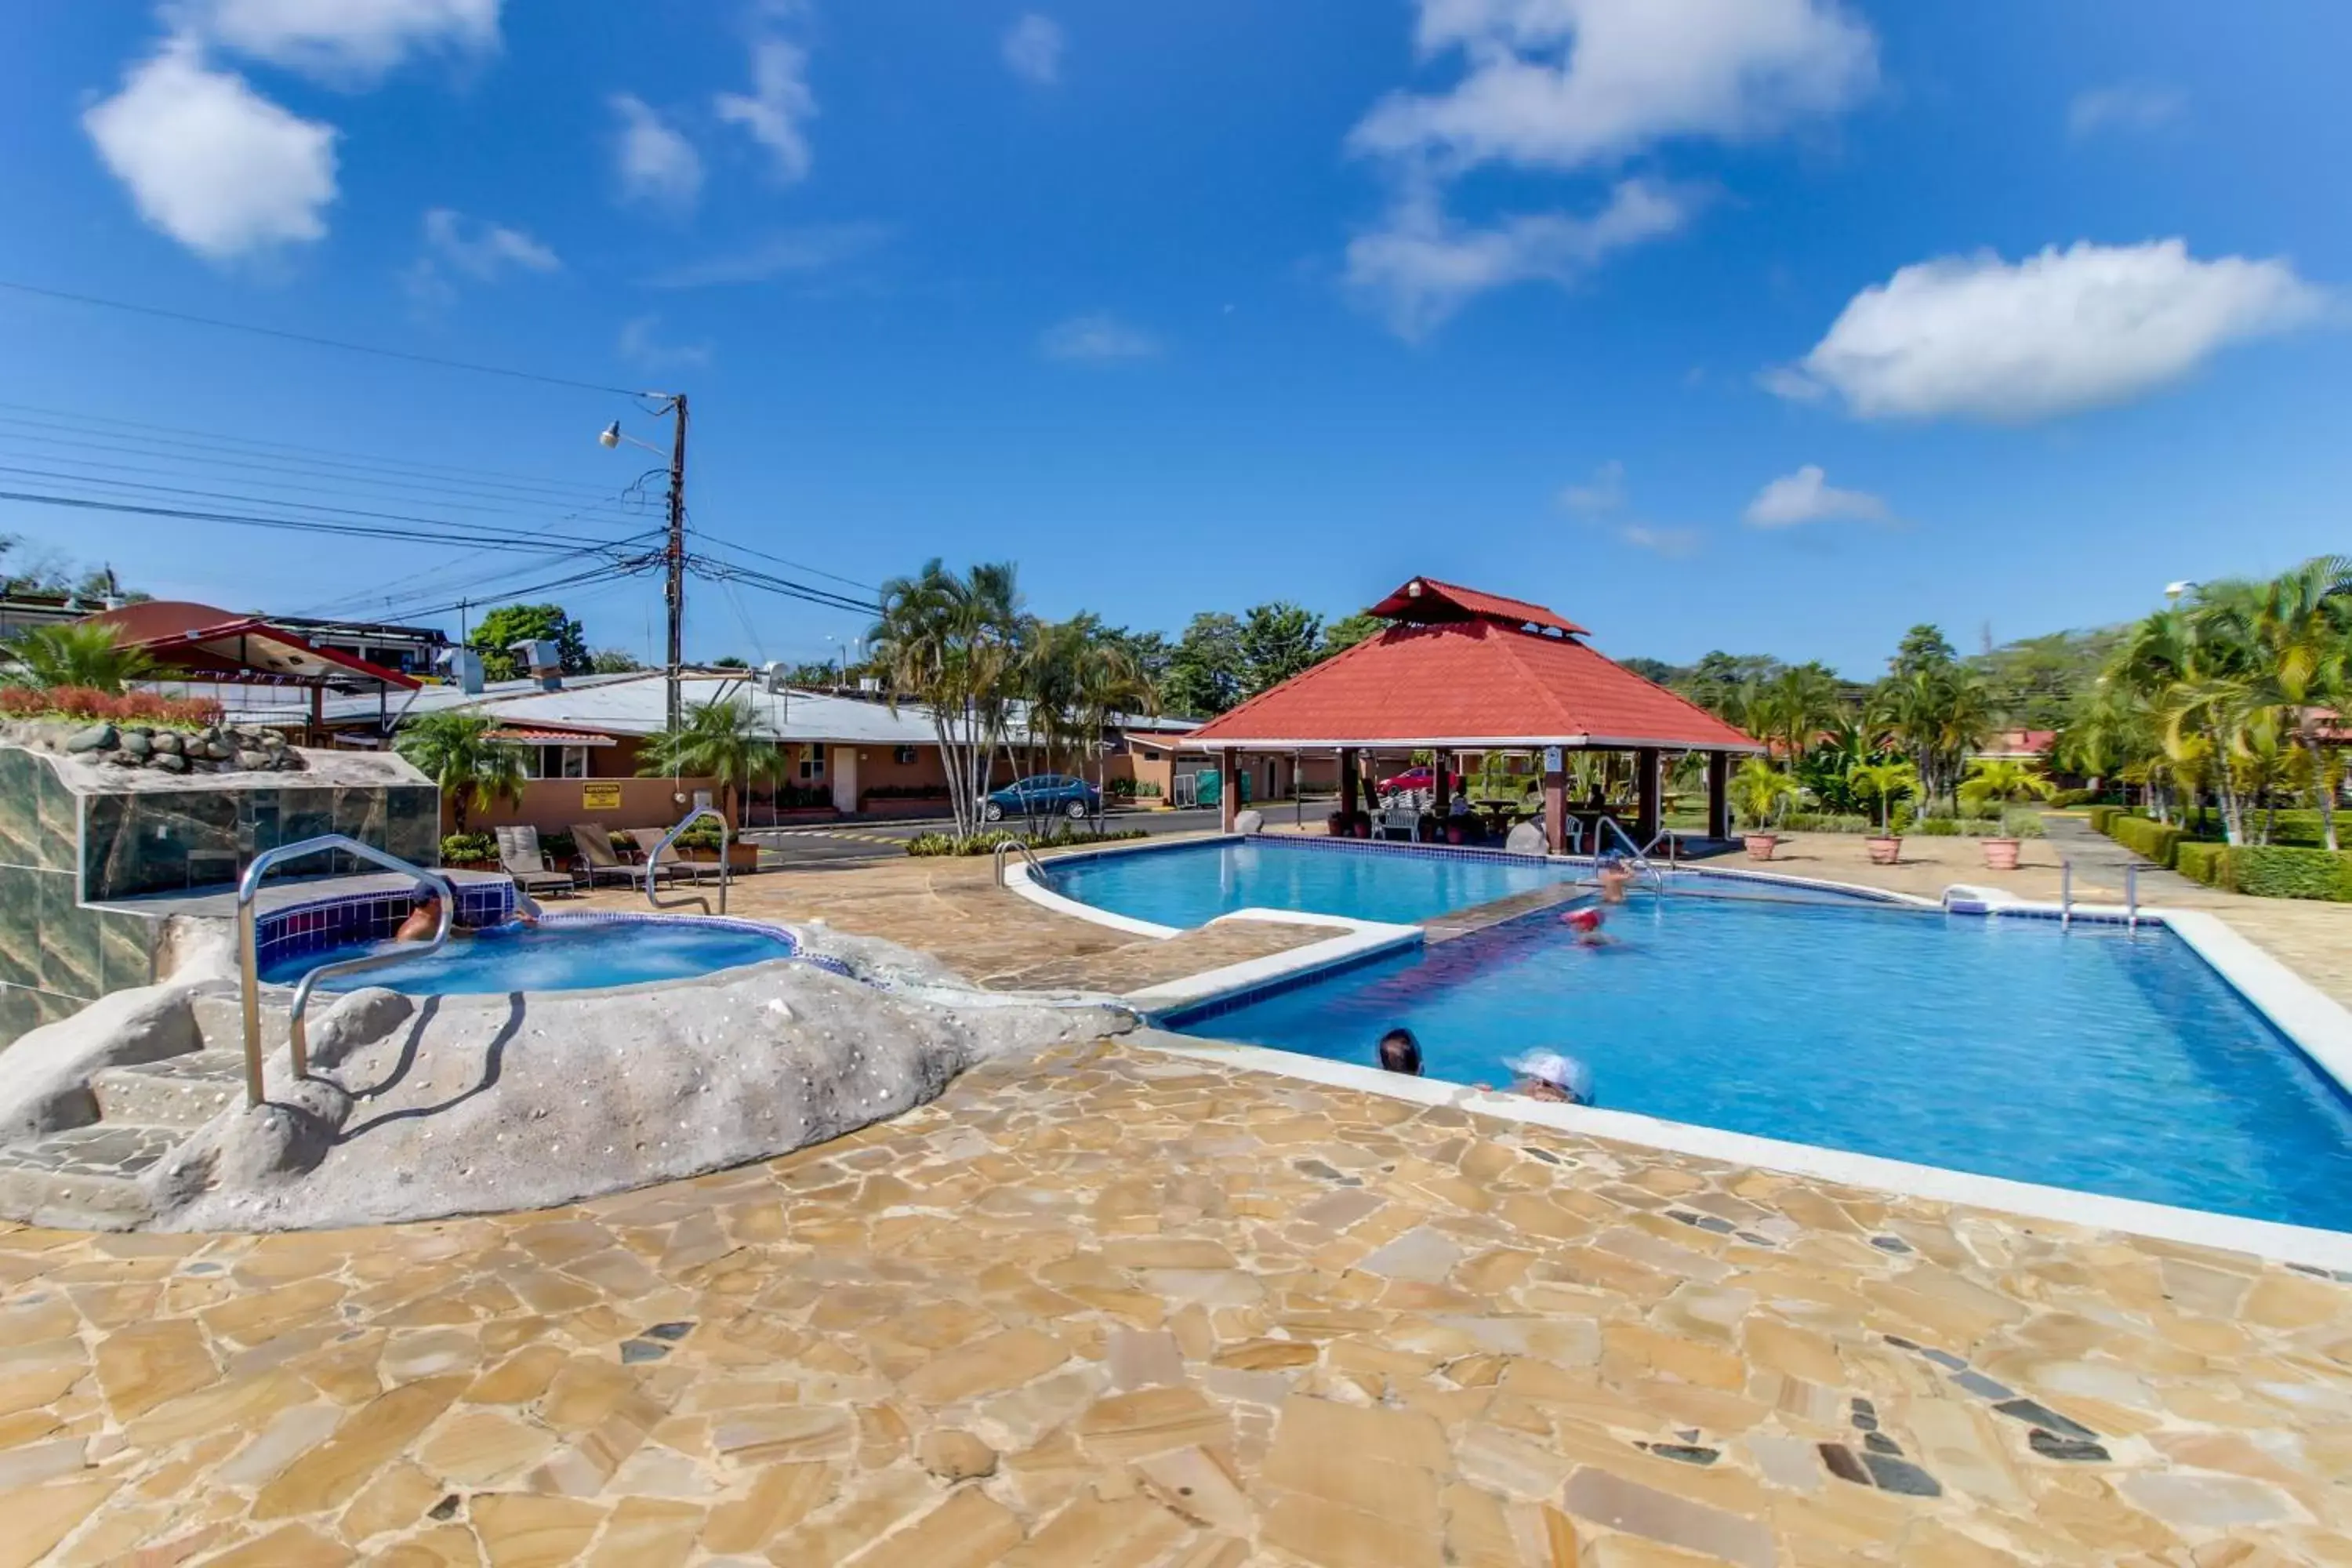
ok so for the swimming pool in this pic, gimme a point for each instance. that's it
(1188, 886)
(561, 954)
(2092, 1059)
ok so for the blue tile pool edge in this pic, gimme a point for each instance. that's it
(2270, 1239)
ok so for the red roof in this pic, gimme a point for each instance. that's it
(1427, 600)
(199, 642)
(1470, 683)
(547, 735)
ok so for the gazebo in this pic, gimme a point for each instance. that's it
(200, 643)
(1460, 670)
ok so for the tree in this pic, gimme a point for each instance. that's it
(455, 752)
(1793, 708)
(1938, 712)
(1882, 781)
(731, 661)
(1206, 674)
(723, 742)
(509, 623)
(1277, 640)
(1346, 632)
(612, 661)
(1760, 792)
(1923, 648)
(79, 653)
(2003, 780)
(954, 644)
(2297, 631)
(2034, 682)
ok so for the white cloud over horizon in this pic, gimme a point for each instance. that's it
(210, 161)
(2124, 106)
(640, 344)
(1579, 86)
(1603, 501)
(2056, 334)
(1604, 492)
(484, 249)
(776, 111)
(1807, 496)
(1033, 49)
(1097, 337)
(341, 42)
(656, 164)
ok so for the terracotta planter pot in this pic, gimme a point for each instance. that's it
(2000, 854)
(1452, 834)
(1361, 830)
(1883, 851)
(1761, 845)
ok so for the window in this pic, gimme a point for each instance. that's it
(812, 761)
(903, 755)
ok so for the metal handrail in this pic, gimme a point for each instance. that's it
(1673, 847)
(1641, 857)
(1005, 846)
(654, 860)
(248, 968)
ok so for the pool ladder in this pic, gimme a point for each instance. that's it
(653, 861)
(248, 967)
(1007, 846)
(1635, 852)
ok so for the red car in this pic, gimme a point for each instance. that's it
(1422, 777)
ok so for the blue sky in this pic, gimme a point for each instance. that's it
(1775, 325)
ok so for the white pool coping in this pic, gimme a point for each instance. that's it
(2314, 1023)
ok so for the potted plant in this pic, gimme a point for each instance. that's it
(1760, 793)
(469, 852)
(2001, 781)
(1882, 781)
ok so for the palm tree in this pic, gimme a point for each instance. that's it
(2002, 780)
(722, 742)
(1762, 792)
(455, 752)
(1884, 782)
(2298, 627)
(1938, 712)
(1110, 685)
(80, 653)
(955, 645)
(1793, 708)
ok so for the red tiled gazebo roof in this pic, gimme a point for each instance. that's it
(1472, 675)
(199, 642)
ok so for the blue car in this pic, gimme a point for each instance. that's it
(1045, 795)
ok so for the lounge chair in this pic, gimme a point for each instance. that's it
(521, 857)
(601, 861)
(678, 865)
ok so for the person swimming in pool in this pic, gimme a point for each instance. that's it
(1586, 923)
(1614, 875)
(1401, 1052)
(424, 918)
(1551, 1075)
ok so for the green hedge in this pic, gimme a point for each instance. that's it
(2066, 799)
(929, 844)
(2269, 871)
(2103, 817)
(2154, 840)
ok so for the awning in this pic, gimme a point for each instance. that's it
(199, 642)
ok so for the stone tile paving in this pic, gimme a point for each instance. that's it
(1117, 1308)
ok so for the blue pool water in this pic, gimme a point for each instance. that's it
(557, 956)
(2088, 1058)
(1193, 885)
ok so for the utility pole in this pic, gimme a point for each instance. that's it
(677, 594)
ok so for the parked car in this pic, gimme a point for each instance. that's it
(1418, 778)
(1045, 795)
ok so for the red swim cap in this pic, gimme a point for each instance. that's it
(1583, 919)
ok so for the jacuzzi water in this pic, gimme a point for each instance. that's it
(558, 955)
(1193, 885)
(2089, 1058)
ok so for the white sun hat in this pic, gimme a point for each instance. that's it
(1562, 1072)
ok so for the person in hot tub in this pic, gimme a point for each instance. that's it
(425, 918)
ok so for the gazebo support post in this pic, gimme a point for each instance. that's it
(1555, 788)
(1441, 764)
(1348, 793)
(1718, 794)
(1229, 795)
(1646, 816)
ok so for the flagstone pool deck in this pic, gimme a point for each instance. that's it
(1116, 1307)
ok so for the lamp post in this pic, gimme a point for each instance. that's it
(610, 437)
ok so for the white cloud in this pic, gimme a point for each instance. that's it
(1034, 48)
(658, 165)
(2124, 106)
(1978, 338)
(1675, 543)
(1807, 496)
(484, 249)
(1605, 493)
(341, 40)
(815, 247)
(210, 161)
(1099, 337)
(640, 344)
(1571, 83)
(777, 111)
(1422, 266)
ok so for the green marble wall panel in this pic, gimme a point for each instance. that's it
(60, 818)
(20, 926)
(68, 937)
(126, 951)
(20, 808)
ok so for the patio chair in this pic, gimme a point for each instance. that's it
(521, 857)
(678, 865)
(601, 861)
(1399, 818)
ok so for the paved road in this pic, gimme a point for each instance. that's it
(850, 841)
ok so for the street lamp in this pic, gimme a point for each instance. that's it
(610, 439)
(2173, 591)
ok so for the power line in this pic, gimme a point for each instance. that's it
(190, 319)
(522, 542)
(728, 571)
(781, 561)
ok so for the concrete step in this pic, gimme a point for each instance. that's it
(85, 1178)
(220, 1018)
(184, 1092)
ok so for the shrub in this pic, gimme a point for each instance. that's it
(2103, 817)
(1829, 822)
(465, 848)
(703, 834)
(89, 705)
(2066, 798)
(2025, 824)
(2269, 871)
(557, 844)
(2154, 840)
(926, 843)
(1937, 827)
